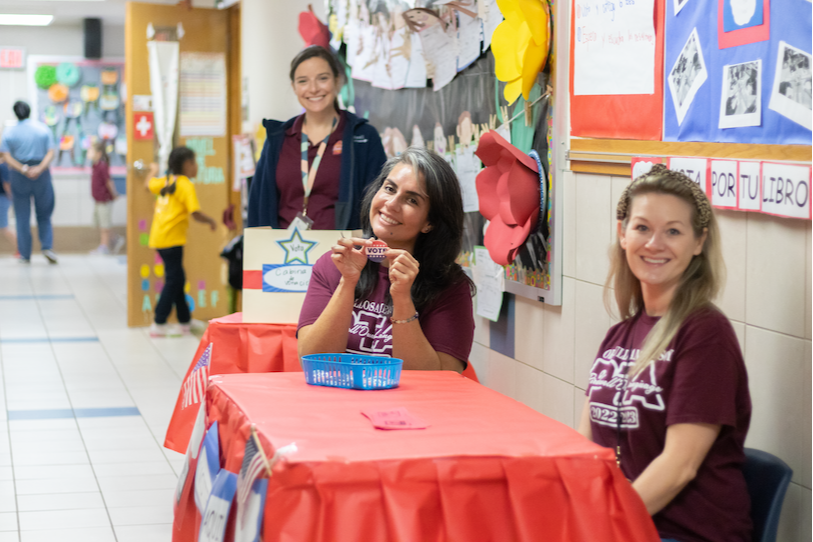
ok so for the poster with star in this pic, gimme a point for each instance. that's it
(277, 267)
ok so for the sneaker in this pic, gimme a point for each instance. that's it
(158, 330)
(24, 260)
(118, 244)
(17, 254)
(194, 327)
(101, 250)
(50, 255)
(174, 331)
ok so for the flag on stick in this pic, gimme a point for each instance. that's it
(194, 387)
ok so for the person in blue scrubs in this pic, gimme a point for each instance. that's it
(28, 148)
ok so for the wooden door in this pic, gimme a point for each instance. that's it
(204, 31)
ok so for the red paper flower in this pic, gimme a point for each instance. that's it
(508, 189)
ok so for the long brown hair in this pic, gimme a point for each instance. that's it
(701, 281)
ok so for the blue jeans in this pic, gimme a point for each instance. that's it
(42, 190)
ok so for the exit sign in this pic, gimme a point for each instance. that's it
(12, 57)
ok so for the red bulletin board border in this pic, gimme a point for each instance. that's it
(633, 116)
(743, 36)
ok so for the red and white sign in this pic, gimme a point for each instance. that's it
(786, 190)
(724, 185)
(12, 57)
(143, 125)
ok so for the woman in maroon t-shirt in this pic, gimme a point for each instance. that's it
(668, 389)
(423, 317)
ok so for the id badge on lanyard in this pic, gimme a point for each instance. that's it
(302, 221)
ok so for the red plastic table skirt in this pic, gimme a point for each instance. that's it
(486, 468)
(237, 347)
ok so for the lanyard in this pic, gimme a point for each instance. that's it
(308, 177)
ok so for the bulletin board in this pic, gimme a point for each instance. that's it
(81, 101)
(205, 31)
(734, 84)
(440, 110)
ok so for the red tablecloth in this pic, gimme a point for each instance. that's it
(236, 348)
(487, 468)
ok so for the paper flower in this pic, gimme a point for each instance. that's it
(520, 44)
(508, 189)
(45, 76)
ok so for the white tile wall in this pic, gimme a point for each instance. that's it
(732, 231)
(594, 227)
(775, 273)
(767, 297)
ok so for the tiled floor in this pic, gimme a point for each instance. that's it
(84, 405)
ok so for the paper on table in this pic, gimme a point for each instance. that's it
(466, 166)
(614, 47)
(490, 281)
(394, 418)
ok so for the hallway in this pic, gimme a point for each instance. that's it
(85, 405)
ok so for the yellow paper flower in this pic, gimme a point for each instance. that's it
(520, 44)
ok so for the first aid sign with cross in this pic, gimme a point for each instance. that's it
(143, 125)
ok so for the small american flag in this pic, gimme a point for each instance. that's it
(252, 465)
(194, 387)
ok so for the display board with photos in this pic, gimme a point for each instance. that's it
(733, 71)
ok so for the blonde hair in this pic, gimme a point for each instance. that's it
(701, 281)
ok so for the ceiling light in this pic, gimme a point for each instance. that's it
(25, 20)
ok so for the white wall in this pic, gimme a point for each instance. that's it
(767, 298)
(270, 40)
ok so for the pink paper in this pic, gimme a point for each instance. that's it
(394, 418)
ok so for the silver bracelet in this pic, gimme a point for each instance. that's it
(408, 320)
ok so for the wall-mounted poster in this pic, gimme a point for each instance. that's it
(81, 101)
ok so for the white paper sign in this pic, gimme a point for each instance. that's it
(142, 102)
(614, 47)
(490, 281)
(749, 178)
(786, 190)
(466, 167)
(693, 168)
(724, 184)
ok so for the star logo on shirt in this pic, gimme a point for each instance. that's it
(296, 248)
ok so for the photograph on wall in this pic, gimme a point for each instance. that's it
(741, 102)
(739, 14)
(791, 94)
(687, 75)
(679, 5)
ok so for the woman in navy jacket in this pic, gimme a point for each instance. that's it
(317, 164)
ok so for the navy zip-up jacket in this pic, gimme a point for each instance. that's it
(362, 159)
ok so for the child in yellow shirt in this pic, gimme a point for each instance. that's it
(176, 201)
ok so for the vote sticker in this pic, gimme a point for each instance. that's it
(377, 251)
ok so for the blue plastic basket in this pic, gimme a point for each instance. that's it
(352, 371)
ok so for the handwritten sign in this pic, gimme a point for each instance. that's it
(694, 168)
(724, 184)
(286, 278)
(214, 517)
(749, 181)
(786, 190)
(614, 47)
